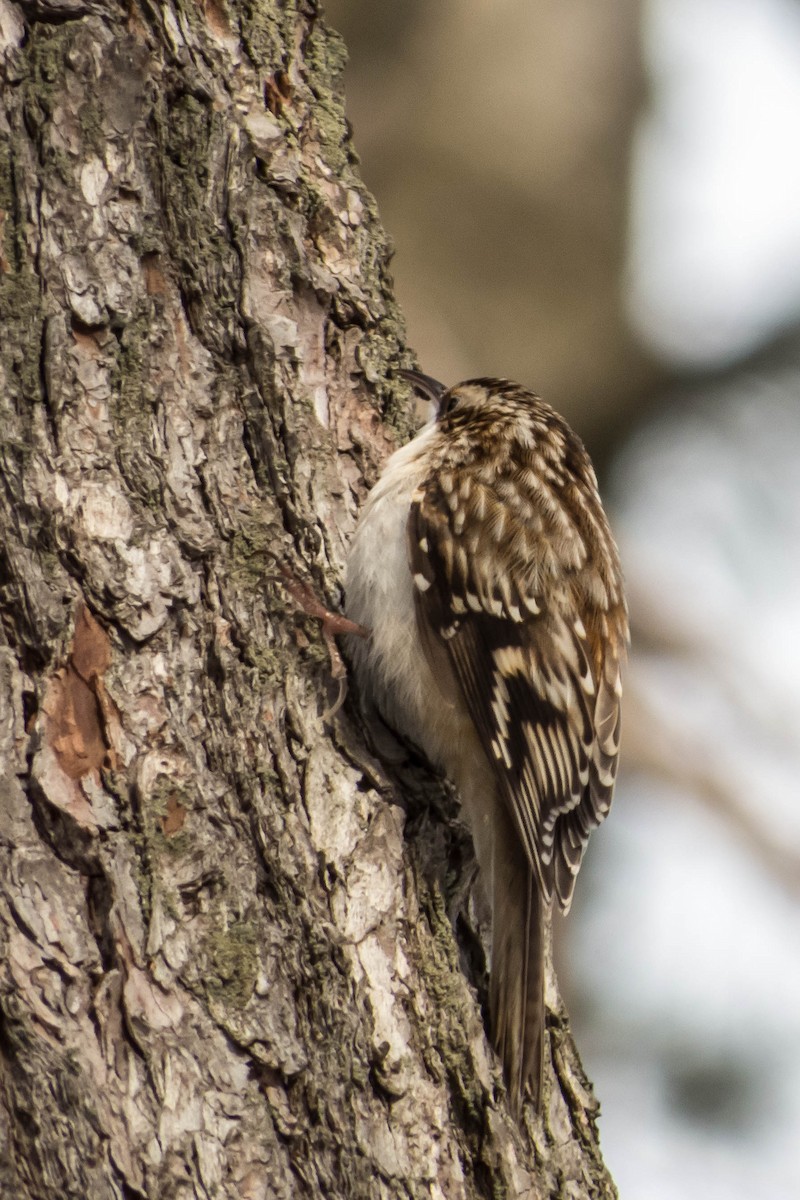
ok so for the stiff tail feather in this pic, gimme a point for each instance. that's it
(516, 988)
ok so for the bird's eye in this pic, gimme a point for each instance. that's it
(447, 403)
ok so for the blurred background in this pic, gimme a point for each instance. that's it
(603, 202)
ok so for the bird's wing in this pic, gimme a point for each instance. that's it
(497, 583)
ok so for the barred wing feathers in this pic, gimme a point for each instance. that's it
(504, 585)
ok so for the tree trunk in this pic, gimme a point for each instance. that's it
(228, 965)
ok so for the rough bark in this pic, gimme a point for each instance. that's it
(227, 962)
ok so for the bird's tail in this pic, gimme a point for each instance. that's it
(516, 989)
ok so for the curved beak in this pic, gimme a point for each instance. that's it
(427, 387)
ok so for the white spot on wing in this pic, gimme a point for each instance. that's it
(421, 583)
(500, 751)
(500, 704)
(510, 660)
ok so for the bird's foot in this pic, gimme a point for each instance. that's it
(332, 624)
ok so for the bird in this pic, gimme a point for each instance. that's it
(485, 570)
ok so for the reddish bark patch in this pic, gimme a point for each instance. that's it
(277, 93)
(217, 19)
(85, 341)
(154, 279)
(174, 818)
(91, 649)
(76, 704)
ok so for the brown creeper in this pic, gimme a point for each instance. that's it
(484, 566)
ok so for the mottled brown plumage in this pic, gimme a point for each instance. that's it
(518, 610)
